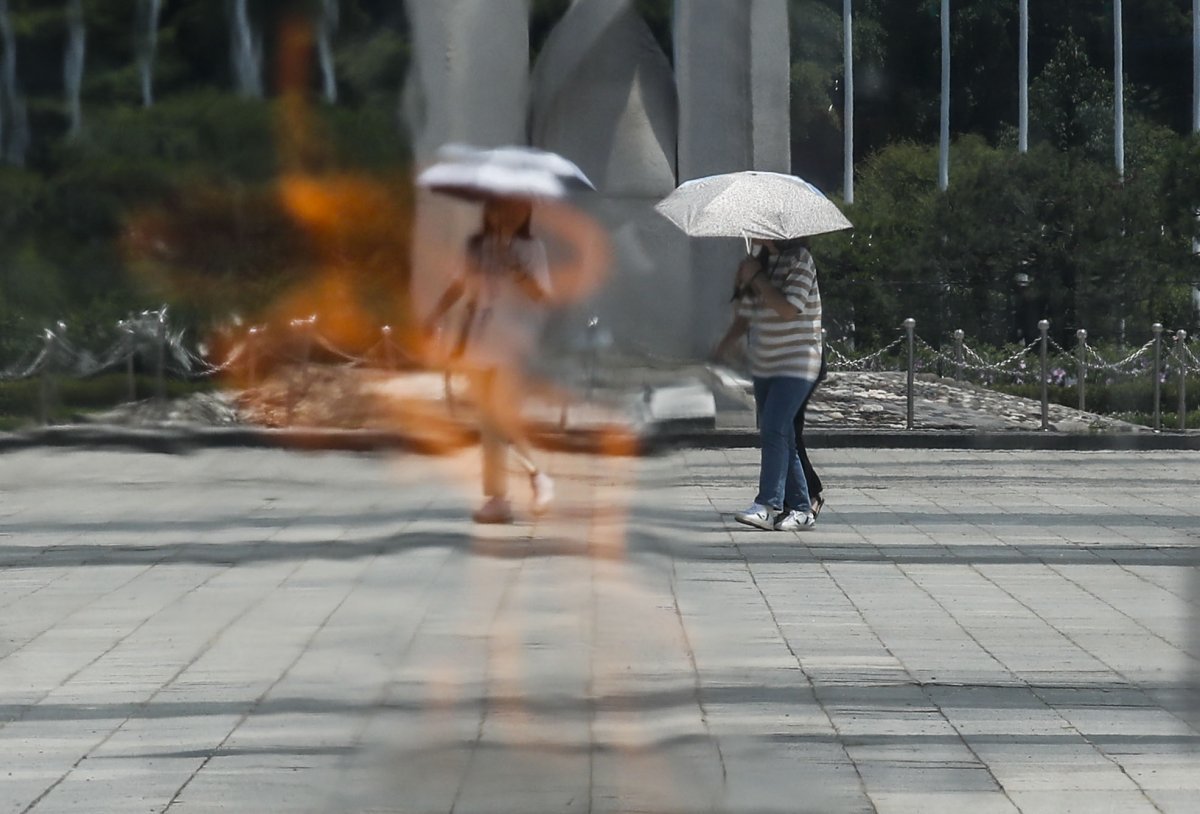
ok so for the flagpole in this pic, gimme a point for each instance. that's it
(1196, 100)
(1023, 72)
(1196, 66)
(848, 104)
(1119, 88)
(944, 147)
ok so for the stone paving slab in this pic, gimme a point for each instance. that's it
(263, 630)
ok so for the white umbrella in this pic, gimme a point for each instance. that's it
(764, 205)
(523, 172)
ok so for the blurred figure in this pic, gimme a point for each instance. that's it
(506, 283)
(779, 305)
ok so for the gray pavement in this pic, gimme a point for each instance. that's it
(271, 631)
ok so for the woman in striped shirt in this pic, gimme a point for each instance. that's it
(779, 305)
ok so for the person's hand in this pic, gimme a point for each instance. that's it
(746, 271)
(722, 351)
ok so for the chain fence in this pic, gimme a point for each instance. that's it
(148, 343)
(1167, 357)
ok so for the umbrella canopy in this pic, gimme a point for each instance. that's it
(765, 205)
(477, 174)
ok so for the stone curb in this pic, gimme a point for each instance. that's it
(946, 439)
(659, 439)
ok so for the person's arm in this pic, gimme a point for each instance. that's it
(465, 283)
(773, 297)
(444, 304)
(737, 329)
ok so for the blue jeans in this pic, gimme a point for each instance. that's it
(781, 480)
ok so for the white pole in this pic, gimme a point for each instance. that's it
(1196, 66)
(73, 64)
(1196, 104)
(1119, 88)
(848, 117)
(944, 151)
(1023, 71)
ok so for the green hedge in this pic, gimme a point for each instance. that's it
(1169, 421)
(1125, 396)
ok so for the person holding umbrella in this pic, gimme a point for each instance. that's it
(779, 306)
(506, 283)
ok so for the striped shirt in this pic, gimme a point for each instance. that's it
(782, 346)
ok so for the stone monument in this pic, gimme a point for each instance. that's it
(605, 95)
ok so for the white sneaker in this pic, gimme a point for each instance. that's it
(543, 491)
(792, 520)
(757, 515)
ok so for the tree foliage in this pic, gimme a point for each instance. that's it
(1053, 233)
(1014, 239)
(201, 157)
(1094, 249)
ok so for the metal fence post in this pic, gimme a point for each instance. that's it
(1044, 327)
(909, 325)
(305, 326)
(958, 355)
(44, 381)
(593, 327)
(252, 354)
(388, 361)
(160, 384)
(310, 328)
(1157, 329)
(1081, 353)
(1180, 338)
(127, 327)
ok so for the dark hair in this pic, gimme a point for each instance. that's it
(524, 230)
(794, 243)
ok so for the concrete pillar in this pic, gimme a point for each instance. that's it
(469, 72)
(733, 72)
(771, 85)
(467, 83)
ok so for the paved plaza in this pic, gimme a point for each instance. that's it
(270, 631)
